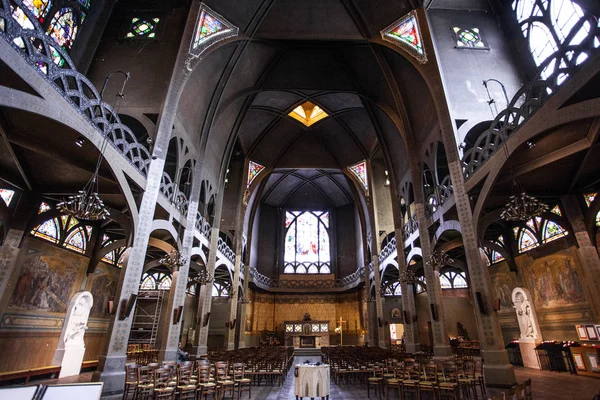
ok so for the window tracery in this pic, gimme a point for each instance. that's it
(219, 290)
(393, 289)
(155, 281)
(306, 244)
(453, 280)
(537, 231)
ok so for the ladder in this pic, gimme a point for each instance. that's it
(146, 319)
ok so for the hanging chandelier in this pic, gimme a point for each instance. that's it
(173, 260)
(407, 277)
(438, 259)
(87, 203)
(522, 206)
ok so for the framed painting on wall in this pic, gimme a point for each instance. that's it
(593, 361)
(591, 332)
(578, 358)
(581, 332)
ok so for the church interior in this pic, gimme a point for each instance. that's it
(198, 196)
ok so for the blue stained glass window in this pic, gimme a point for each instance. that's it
(63, 28)
(49, 230)
(76, 240)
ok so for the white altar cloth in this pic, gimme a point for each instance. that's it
(311, 381)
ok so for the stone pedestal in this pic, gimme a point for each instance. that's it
(71, 361)
(311, 381)
(528, 353)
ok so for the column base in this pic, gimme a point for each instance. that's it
(413, 347)
(112, 373)
(441, 352)
(201, 351)
(497, 370)
(167, 355)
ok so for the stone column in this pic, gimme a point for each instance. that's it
(233, 304)
(205, 301)
(244, 307)
(441, 344)
(497, 369)
(588, 253)
(371, 319)
(411, 332)
(379, 323)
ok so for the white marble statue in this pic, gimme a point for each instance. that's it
(71, 347)
(525, 313)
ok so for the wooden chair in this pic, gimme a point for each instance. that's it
(239, 379)
(510, 394)
(162, 387)
(145, 386)
(375, 380)
(223, 380)
(131, 379)
(429, 380)
(466, 379)
(527, 389)
(479, 379)
(206, 383)
(410, 381)
(449, 386)
(186, 385)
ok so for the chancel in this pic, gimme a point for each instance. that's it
(345, 198)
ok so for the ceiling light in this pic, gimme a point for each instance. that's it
(308, 113)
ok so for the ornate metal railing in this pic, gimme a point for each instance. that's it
(269, 283)
(411, 226)
(169, 189)
(564, 63)
(226, 250)
(203, 226)
(53, 63)
(389, 249)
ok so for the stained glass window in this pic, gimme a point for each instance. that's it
(405, 32)
(527, 240)
(165, 283)
(360, 172)
(253, 170)
(207, 26)
(76, 240)
(306, 245)
(556, 210)
(155, 280)
(7, 195)
(589, 198)
(553, 231)
(39, 8)
(148, 282)
(460, 281)
(469, 38)
(49, 230)
(85, 3)
(63, 28)
(598, 219)
(453, 280)
(143, 28)
(547, 24)
(308, 113)
(210, 29)
(445, 282)
(43, 208)
(421, 285)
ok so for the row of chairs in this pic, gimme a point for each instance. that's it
(522, 391)
(186, 383)
(410, 378)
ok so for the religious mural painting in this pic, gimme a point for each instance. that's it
(503, 281)
(554, 281)
(45, 283)
(102, 285)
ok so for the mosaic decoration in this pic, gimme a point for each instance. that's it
(63, 28)
(143, 28)
(306, 242)
(469, 38)
(308, 113)
(253, 170)
(210, 29)
(360, 172)
(7, 195)
(406, 34)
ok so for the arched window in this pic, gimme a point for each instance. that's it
(453, 280)
(306, 245)
(76, 240)
(155, 281)
(219, 290)
(421, 285)
(549, 25)
(49, 230)
(63, 28)
(393, 289)
(148, 282)
(526, 240)
(552, 231)
(537, 231)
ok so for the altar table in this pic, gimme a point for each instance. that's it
(311, 381)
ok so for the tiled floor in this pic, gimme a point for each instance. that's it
(546, 386)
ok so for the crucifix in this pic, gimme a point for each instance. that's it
(341, 330)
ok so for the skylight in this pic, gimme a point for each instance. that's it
(308, 113)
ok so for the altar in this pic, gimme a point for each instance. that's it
(312, 381)
(306, 334)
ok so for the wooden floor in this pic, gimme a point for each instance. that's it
(546, 386)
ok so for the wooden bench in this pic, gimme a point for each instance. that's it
(28, 373)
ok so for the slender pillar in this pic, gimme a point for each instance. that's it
(411, 332)
(588, 253)
(371, 322)
(233, 305)
(379, 323)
